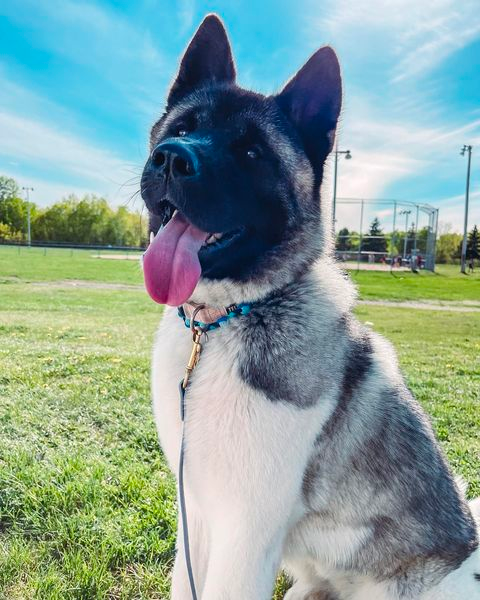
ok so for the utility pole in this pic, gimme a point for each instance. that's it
(406, 213)
(348, 156)
(27, 191)
(468, 149)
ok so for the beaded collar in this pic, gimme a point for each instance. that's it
(208, 318)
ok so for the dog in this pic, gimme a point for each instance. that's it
(304, 448)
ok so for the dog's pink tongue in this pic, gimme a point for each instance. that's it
(170, 265)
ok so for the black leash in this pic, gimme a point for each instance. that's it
(197, 333)
(181, 497)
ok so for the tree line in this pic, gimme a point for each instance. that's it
(91, 220)
(87, 220)
(448, 246)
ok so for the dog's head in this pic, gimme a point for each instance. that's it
(232, 181)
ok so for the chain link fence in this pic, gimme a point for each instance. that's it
(386, 233)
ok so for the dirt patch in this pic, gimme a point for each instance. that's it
(89, 285)
(465, 306)
(442, 305)
(118, 256)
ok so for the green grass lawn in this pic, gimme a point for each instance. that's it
(87, 506)
(53, 264)
(447, 283)
(37, 264)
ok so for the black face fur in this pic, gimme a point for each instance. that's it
(243, 164)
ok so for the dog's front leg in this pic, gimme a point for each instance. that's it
(255, 499)
(243, 562)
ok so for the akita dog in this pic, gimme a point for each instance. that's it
(303, 445)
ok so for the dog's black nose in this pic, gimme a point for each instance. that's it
(176, 157)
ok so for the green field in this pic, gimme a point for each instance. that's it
(54, 264)
(36, 264)
(87, 506)
(446, 284)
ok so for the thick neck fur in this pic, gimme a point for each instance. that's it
(331, 283)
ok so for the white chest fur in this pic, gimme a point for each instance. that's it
(245, 457)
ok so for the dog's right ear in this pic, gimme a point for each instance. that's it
(312, 100)
(208, 58)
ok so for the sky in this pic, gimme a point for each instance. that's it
(82, 82)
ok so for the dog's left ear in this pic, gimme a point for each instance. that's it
(312, 100)
(208, 58)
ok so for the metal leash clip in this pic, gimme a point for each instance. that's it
(197, 333)
(194, 356)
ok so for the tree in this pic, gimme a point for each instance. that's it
(8, 188)
(375, 240)
(473, 244)
(447, 248)
(13, 212)
(344, 242)
(89, 220)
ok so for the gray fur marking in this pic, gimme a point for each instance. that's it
(379, 462)
(286, 335)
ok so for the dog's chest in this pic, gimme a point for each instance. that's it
(221, 409)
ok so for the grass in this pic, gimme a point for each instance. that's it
(52, 264)
(37, 264)
(447, 283)
(87, 506)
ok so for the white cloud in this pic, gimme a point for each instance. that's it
(399, 130)
(44, 147)
(384, 153)
(186, 14)
(102, 40)
(46, 192)
(417, 35)
(452, 211)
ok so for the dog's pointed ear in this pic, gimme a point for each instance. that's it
(208, 58)
(312, 100)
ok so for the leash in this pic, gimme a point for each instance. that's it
(198, 329)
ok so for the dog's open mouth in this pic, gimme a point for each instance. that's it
(214, 241)
(171, 264)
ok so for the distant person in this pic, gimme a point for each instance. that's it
(413, 263)
(471, 265)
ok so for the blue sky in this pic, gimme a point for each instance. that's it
(81, 82)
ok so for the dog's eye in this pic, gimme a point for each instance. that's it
(181, 130)
(253, 152)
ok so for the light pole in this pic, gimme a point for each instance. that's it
(406, 213)
(468, 149)
(27, 191)
(335, 171)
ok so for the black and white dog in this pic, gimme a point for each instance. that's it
(304, 447)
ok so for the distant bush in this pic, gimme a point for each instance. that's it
(448, 247)
(87, 220)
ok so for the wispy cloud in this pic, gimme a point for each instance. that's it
(396, 122)
(47, 149)
(417, 35)
(103, 41)
(451, 211)
(186, 14)
(115, 62)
